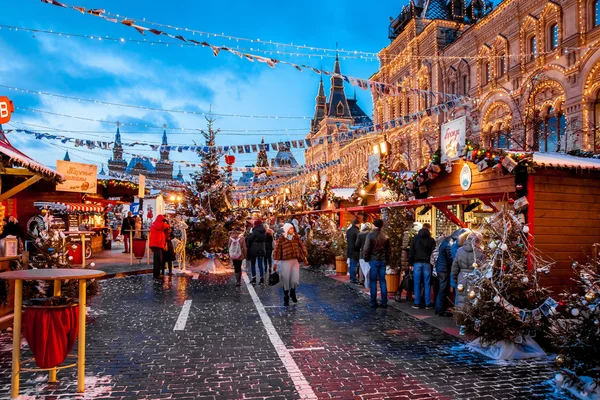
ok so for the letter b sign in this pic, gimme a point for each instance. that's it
(6, 109)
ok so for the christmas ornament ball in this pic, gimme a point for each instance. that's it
(472, 294)
(560, 359)
(460, 287)
(559, 377)
(492, 245)
(70, 258)
(504, 247)
(590, 296)
(575, 312)
(525, 279)
(525, 229)
(596, 322)
(496, 299)
(474, 265)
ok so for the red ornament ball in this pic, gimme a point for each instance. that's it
(229, 159)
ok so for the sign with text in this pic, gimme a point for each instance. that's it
(141, 186)
(452, 138)
(374, 161)
(6, 109)
(80, 178)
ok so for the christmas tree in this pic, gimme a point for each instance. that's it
(398, 221)
(207, 202)
(325, 241)
(505, 303)
(576, 334)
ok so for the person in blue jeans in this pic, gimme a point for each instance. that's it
(353, 252)
(442, 267)
(377, 253)
(419, 256)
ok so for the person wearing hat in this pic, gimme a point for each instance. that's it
(352, 252)
(288, 254)
(257, 250)
(377, 252)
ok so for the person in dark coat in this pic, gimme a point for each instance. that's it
(169, 254)
(257, 249)
(126, 228)
(442, 267)
(269, 251)
(377, 252)
(419, 256)
(353, 252)
(365, 229)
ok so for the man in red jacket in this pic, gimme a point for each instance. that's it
(158, 243)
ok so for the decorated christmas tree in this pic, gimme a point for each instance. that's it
(398, 221)
(576, 334)
(505, 305)
(325, 241)
(207, 202)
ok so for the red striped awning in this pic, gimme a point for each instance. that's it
(82, 207)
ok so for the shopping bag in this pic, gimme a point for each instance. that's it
(273, 279)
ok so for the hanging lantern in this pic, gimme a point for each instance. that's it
(229, 159)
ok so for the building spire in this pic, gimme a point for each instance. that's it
(118, 135)
(67, 158)
(164, 136)
(101, 169)
(338, 104)
(320, 108)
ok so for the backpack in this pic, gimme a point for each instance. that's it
(235, 250)
(436, 252)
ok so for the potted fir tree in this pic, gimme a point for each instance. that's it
(339, 247)
(398, 220)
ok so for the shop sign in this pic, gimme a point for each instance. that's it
(452, 138)
(80, 178)
(466, 177)
(134, 208)
(374, 162)
(6, 109)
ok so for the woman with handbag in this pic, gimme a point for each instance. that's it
(237, 252)
(288, 254)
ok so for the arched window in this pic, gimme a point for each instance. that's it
(553, 35)
(339, 109)
(533, 48)
(487, 73)
(552, 132)
(501, 65)
(453, 88)
(596, 13)
(465, 83)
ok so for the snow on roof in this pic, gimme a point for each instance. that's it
(559, 160)
(23, 160)
(343, 193)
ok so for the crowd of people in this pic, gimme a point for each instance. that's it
(439, 266)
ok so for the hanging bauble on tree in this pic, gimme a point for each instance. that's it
(229, 159)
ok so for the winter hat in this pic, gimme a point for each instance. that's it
(365, 227)
(378, 223)
(287, 227)
(258, 222)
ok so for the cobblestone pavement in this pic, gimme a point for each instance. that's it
(343, 348)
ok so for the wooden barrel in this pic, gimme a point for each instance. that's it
(392, 282)
(341, 266)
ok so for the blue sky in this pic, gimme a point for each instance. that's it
(178, 77)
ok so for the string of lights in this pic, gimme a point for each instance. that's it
(104, 14)
(222, 132)
(146, 108)
(106, 38)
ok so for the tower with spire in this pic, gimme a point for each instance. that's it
(116, 164)
(163, 170)
(67, 158)
(320, 108)
(164, 167)
(338, 104)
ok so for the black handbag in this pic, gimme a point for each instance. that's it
(274, 279)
